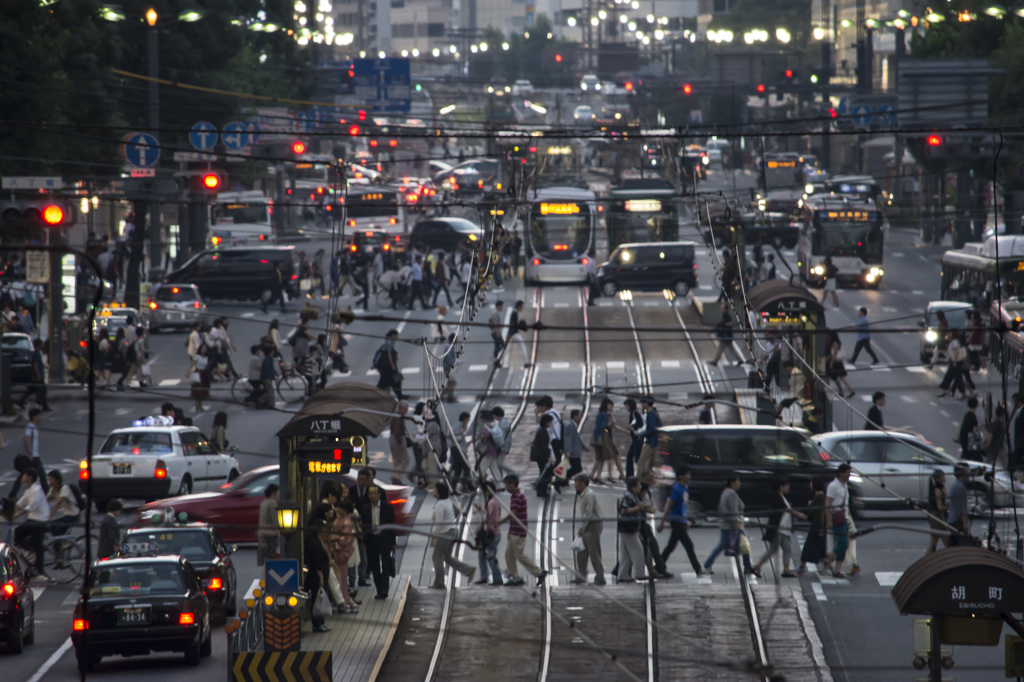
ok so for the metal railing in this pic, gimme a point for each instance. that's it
(245, 632)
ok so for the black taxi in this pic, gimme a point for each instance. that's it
(201, 545)
(141, 604)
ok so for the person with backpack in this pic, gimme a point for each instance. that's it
(135, 355)
(487, 447)
(385, 361)
(506, 439)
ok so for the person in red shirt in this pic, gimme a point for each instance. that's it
(515, 546)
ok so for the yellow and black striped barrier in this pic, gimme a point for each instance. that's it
(281, 666)
(281, 631)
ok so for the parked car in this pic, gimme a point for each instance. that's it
(205, 550)
(445, 233)
(18, 347)
(651, 266)
(141, 604)
(233, 508)
(759, 455)
(175, 306)
(153, 459)
(890, 468)
(17, 603)
(955, 313)
(238, 273)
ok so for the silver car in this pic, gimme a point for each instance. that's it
(175, 306)
(890, 468)
(955, 315)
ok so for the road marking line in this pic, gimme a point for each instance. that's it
(917, 292)
(605, 304)
(559, 365)
(170, 382)
(409, 370)
(51, 661)
(819, 591)
(888, 578)
(615, 364)
(670, 363)
(909, 399)
(478, 368)
(250, 314)
(561, 305)
(123, 410)
(897, 254)
(917, 369)
(370, 371)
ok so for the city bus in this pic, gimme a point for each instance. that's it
(241, 217)
(560, 231)
(969, 274)
(850, 231)
(780, 179)
(642, 210)
(376, 207)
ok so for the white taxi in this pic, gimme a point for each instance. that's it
(154, 459)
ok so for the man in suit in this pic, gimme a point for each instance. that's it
(110, 531)
(359, 494)
(380, 542)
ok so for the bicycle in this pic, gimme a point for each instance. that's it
(63, 558)
(291, 386)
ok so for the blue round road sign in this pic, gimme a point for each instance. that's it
(142, 149)
(203, 136)
(253, 129)
(887, 113)
(235, 136)
(861, 115)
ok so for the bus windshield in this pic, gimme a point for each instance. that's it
(782, 175)
(372, 204)
(837, 238)
(562, 237)
(240, 212)
(641, 220)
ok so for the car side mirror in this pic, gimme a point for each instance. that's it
(920, 323)
(232, 448)
(232, 549)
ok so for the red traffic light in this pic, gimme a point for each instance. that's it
(760, 87)
(362, 115)
(687, 89)
(53, 214)
(298, 147)
(354, 130)
(558, 58)
(833, 113)
(211, 181)
(628, 86)
(934, 140)
(789, 73)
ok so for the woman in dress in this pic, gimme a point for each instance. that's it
(344, 548)
(274, 333)
(837, 365)
(199, 374)
(604, 448)
(816, 545)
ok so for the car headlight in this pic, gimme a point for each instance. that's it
(472, 237)
(931, 336)
(705, 160)
(870, 277)
(877, 272)
(818, 270)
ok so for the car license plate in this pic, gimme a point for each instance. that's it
(177, 316)
(133, 615)
(122, 468)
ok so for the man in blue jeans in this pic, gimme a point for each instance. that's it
(837, 504)
(675, 514)
(417, 285)
(863, 338)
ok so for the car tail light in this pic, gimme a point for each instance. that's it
(399, 502)
(161, 469)
(152, 305)
(83, 343)
(585, 261)
(387, 247)
(83, 470)
(80, 624)
(216, 584)
(295, 276)
(536, 261)
(393, 221)
(351, 223)
(195, 305)
(187, 619)
(354, 248)
(8, 590)
(215, 240)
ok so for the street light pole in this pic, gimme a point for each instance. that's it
(155, 226)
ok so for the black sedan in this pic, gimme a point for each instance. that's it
(204, 549)
(446, 233)
(17, 604)
(142, 604)
(18, 347)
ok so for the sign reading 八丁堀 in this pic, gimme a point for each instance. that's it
(31, 182)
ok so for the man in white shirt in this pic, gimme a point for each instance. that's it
(443, 535)
(33, 505)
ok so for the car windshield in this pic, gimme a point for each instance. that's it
(17, 342)
(129, 580)
(137, 442)
(194, 545)
(176, 294)
(955, 318)
(239, 212)
(462, 225)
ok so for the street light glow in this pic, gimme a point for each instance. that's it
(594, 21)
(505, 46)
(819, 33)
(446, 110)
(602, 15)
(782, 35)
(190, 15)
(151, 16)
(112, 14)
(483, 47)
(571, 21)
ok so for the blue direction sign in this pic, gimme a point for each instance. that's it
(235, 136)
(382, 85)
(281, 575)
(887, 113)
(861, 115)
(203, 136)
(141, 149)
(253, 130)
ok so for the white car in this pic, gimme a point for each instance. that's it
(583, 113)
(154, 459)
(590, 83)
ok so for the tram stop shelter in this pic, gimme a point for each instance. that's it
(779, 307)
(969, 592)
(326, 438)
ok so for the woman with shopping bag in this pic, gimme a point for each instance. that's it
(318, 567)
(730, 524)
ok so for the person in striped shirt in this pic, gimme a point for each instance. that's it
(515, 545)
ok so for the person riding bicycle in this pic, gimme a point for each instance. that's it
(33, 505)
(396, 282)
(64, 509)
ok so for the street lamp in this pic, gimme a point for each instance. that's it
(782, 35)
(288, 516)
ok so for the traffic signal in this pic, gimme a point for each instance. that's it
(788, 74)
(628, 86)
(29, 220)
(354, 130)
(933, 141)
(362, 115)
(558, 58)
(760, 88)
(298, 147)
(210, 181)
(687, 89)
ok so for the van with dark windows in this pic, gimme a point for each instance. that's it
(759, 455)
(242, 272)
(651, 266)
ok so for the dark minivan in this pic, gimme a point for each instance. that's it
(238, 273)
(650, 267)
(759, 455)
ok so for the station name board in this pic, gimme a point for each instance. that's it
(559, 209)
(643, 205)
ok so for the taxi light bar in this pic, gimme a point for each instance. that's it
(80, 624)
(187, 619)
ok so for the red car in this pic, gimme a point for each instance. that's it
(233, 509)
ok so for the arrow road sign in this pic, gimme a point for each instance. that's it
(887, 113)
(234, 136)
(861, 115)
(253, 129)
(141, 149)
(281, 575)
(203, 136)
